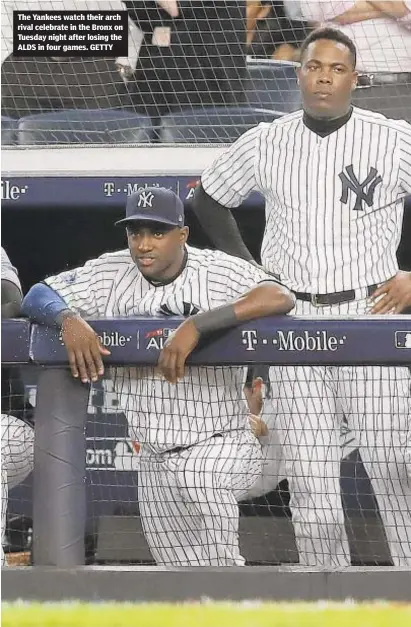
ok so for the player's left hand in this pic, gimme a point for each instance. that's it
(394, 295)
(176, 350)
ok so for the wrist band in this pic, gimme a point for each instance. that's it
(215, 320)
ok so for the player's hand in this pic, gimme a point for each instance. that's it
(254, 396)
(258, 426)
(176, 350)
(125, 70)
(83, 348)
(394, 295)
(171, 6)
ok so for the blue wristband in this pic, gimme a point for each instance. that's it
(43, 305)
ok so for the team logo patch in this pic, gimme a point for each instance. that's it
(69, 277)
(350, 182)
(403, 339)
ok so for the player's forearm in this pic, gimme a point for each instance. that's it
(393, 8)
(360, 12)
(11, 297)
(219, 224)
(264, 300)
(267, 299)
(44, 306)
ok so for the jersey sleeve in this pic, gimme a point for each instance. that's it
(405, 158)
(8, 271)
(230, 277)
(231, 178)
(84, 289)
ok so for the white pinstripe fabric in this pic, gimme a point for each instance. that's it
(319, 241)
(194, 494)
(17, 450)
(309, 403)
(313, 240)
(194, 524)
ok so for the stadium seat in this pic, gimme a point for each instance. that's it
(211, 125)
(84, 126)
(272, 85)
(8, 131)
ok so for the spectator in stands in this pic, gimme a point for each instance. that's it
(271, 34)
(17, 433)
(37, 85)
(193, 54)
(381, 32)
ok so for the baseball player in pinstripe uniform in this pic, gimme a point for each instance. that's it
(17, 435)
(334, 179)
(198, 451)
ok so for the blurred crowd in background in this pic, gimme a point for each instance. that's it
(192, 53)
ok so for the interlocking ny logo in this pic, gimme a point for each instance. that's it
(350, 181)
(145, 199)
(188, 310)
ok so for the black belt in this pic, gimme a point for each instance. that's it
(319, 300)
(179, 449)
(379, 78)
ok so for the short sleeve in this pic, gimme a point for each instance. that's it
(231, 178)
(230, 277)
(84, 289)
(8, 272)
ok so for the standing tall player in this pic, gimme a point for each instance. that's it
(198, 451)
(334, 179)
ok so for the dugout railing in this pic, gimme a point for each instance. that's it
(59, 503)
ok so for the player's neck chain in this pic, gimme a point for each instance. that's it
(173, 278)
(325, 127)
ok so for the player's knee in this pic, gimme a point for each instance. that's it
(317, 508)
(190, 482)
(194, 482)
(319, 521)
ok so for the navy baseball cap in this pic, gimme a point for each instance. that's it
(154, 204)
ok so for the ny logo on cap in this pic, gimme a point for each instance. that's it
(145, 199)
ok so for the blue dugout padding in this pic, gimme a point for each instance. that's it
(378, 340)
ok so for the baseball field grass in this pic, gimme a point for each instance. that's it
(206, 614)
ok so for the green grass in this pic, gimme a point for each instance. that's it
(246, 614)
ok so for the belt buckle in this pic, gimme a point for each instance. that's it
(314, 301)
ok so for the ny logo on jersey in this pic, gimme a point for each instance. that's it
(145, 199)
(350, 181)
(188, 310)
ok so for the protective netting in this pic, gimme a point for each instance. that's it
(236, 60)
(293, 486)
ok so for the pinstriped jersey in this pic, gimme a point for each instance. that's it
(209, 399)
(334, 204)
(9, 272)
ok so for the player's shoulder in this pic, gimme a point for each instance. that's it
(110, 266)
(375, 119)
(217, 261)
(282, 122)
(115, 260)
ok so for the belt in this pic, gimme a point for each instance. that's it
(369, 80)
(179, 449)
(334, 298)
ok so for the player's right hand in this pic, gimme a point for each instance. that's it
(84, 349)
(254, 396)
